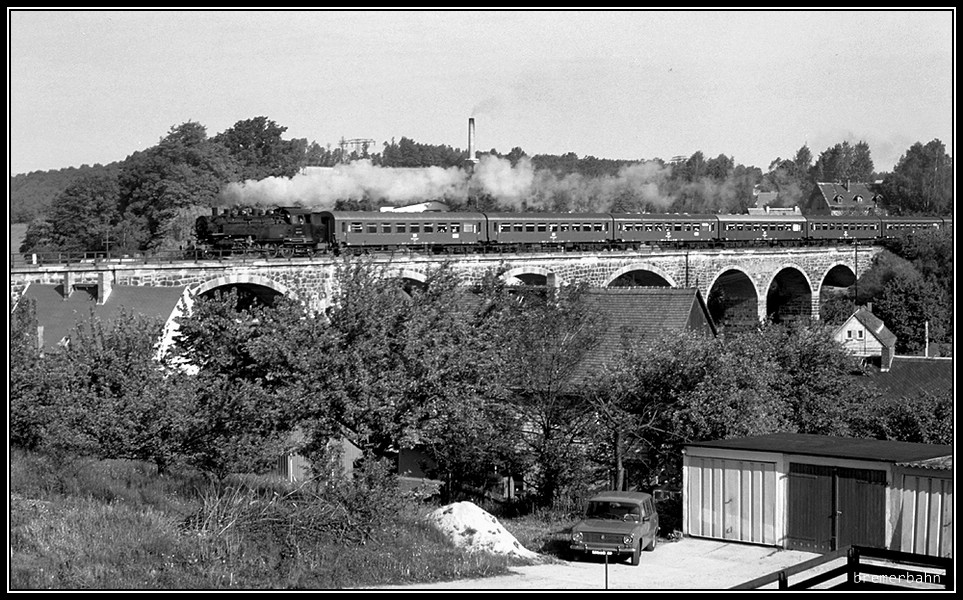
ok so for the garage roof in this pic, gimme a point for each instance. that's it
(840, 447)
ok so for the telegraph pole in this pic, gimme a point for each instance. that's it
(856, 270)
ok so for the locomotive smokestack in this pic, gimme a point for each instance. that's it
(471, 143)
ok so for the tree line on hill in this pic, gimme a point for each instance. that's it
(149, 200)
(482, 381)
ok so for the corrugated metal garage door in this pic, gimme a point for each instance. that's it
(731, 500)
(833, 507)
(810, 508)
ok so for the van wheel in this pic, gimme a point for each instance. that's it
(652, 544)
(636, 554)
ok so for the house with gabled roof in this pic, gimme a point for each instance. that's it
(632, 314)
(59, 308)
(865, 335)
(850, 198)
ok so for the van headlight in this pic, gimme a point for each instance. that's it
(577, 537)
(627, 539)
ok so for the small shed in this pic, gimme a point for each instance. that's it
(820, 493)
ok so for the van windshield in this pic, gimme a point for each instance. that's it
(612, 510)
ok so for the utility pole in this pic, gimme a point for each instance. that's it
(856, 270)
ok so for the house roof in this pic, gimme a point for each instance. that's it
(939, 463)
(58, 316)
(848, 195)
(837, 447)
(874, 325)
(910, 376)
(643, 312)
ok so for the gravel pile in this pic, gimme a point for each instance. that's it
(476, 530)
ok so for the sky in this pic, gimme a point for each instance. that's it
(91, 86)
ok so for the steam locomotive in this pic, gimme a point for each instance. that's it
(289, 231)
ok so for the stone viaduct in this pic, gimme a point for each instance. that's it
(740, 285)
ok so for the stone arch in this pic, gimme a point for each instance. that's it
(838, 275)
(789, 294)
(733, 299)
(654, 276)
(538, 276)
(257, 287)
(411, 279)
(834, 292)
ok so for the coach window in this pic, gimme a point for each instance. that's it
(541, 227)
(386, 228)
(415, 227)
(371, 228)
(456, 227)
(564, 227)
(429, 228)
(530, 227)
(677, 227)
(357, 228)
(442, 227)
(401, 228)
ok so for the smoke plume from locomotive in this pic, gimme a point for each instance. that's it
(514, 186)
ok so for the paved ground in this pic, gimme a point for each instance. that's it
(686, 564)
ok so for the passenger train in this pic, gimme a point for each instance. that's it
(292, 231)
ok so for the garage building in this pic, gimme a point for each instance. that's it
(820, 493)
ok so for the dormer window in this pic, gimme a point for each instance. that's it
(858, 199)
(838, 199)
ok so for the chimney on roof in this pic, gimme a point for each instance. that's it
(869, 307)
(104, 286)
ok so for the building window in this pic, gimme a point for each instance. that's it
(849, 334)
(859, 334)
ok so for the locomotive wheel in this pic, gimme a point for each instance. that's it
(287, 251)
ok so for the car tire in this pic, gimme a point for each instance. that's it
(652, 544)
(636, 554)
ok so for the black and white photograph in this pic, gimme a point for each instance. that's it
(429, 300)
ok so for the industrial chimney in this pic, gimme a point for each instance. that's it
(470, 163)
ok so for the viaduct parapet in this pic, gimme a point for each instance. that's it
(737, 283)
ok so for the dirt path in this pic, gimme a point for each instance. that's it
(686, 564)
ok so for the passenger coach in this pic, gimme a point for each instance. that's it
(549, 228)
(755, 228)
(843, 228)
(384, 229)
(674, 228)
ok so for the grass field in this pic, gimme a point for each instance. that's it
(86, 524)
